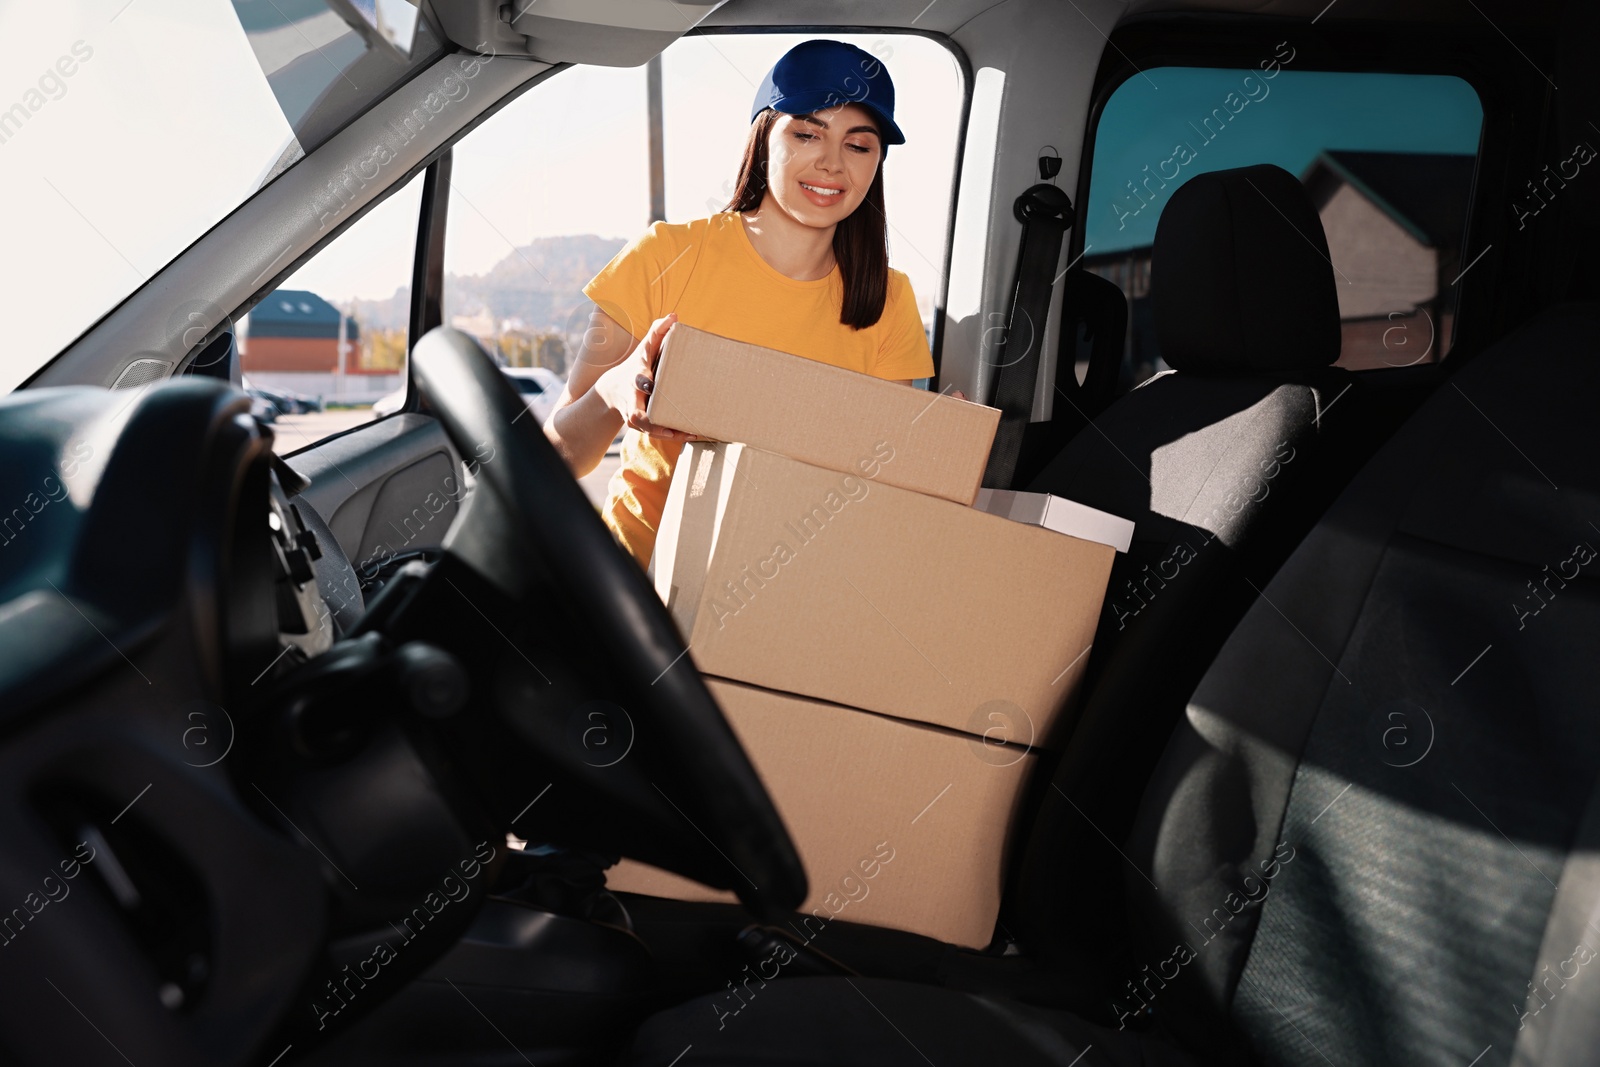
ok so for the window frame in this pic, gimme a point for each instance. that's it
(427, 267)
(428, 168)
(964, 66)
(427, 279)
(433, 205)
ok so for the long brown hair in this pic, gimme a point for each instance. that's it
(860, 242)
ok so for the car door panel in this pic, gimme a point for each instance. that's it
(384, 489)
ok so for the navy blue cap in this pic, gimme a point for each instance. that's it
(819, 75)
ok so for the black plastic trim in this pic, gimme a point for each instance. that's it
(427, 274)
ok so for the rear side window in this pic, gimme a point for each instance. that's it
(1387, 158)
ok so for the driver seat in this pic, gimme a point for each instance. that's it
(1375, 835)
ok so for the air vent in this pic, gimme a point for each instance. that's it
(143, 880)
(142, 372)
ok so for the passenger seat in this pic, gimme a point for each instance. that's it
(1223, 463)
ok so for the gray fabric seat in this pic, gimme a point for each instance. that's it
(1422, 728)
(1223, 463)
(1248, 320)
(1374, 837)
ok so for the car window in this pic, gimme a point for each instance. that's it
(130, 129)
(327, 349)
(1387, 158)
(543, 195)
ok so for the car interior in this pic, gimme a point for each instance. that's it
(311, 718)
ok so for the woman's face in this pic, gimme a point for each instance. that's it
(820, 166)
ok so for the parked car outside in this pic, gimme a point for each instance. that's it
(539, 387)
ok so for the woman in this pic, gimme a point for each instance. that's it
(798, 262)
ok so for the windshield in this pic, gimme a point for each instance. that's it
(128, 128)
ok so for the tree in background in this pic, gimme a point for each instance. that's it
(551, 351)
(526, 348)
(517, 348)
(383, 350)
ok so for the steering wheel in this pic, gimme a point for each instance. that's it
(266, 846)
(529, 529)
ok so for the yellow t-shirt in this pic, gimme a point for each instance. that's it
(712, 276)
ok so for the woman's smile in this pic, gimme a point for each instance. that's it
(838, 152)
(822, 194)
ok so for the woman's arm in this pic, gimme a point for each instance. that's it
(607, 389)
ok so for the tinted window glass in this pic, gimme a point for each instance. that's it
(1387, 158)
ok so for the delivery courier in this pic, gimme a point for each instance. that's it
(798, 261)
(889, 655)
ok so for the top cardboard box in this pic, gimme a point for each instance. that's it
(819, 414)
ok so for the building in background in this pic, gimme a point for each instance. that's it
(511, 343)
(294, 331)
(1394, 223)
(480, 324)
(1129, 270)
(292, 343)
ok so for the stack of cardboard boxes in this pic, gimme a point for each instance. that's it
(887, 652)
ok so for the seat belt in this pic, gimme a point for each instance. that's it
(1045, 213)
(1093, 312)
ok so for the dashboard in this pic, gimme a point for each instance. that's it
(153, 569)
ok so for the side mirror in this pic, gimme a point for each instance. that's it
(218, 358)
(387, 24)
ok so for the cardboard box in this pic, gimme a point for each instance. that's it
(824, 415)
(899, 825)
(842, 588)
(1058, 514)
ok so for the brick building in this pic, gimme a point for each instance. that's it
(292, 344)
(1394, 222)
(293, 330)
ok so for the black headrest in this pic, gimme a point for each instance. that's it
(1240, 276)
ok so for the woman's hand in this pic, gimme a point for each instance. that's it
(607, 390)
(626, 387)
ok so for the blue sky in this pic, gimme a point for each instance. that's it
(1286, 120)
